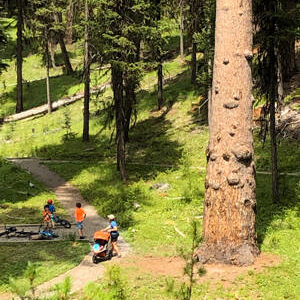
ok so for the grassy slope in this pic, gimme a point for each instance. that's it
(177, 139)
(51, 258)
(21, 204)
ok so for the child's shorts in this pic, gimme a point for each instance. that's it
(79, 225)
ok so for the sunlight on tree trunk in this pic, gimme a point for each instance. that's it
(86, 113)
(230, 202)
(19, 107)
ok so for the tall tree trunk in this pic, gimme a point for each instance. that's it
(47, 70)
(273, 139)
(19, 106)
(182, 30)
(160, 75)
(273, 94)
(194, 62)
(69, 29)
(160, 80)
(51, 47)
(117, 85)
(69, 69)
(230, 202)
(86, 114)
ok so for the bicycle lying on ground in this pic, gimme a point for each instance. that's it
(62, 222)
(45, 234)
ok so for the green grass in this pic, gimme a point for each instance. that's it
(19, 202)
(51, 259)
(170, 148)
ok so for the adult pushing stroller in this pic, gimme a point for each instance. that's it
(102, 247)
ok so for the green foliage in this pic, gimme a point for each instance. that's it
(114, 288)
(62, 290)
(22, 288)
(48, 261)
(67, 126)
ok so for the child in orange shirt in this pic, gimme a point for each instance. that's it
(80, 215)
(47, 217)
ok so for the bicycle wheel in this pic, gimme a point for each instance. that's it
(65, 223)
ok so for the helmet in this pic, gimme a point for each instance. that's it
(50, 201)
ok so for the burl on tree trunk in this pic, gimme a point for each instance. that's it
(230, 202)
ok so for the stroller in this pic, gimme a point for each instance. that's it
(102, 247)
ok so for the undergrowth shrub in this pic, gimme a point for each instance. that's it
(114, 288)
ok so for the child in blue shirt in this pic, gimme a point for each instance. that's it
(112, 228)
(52, 210)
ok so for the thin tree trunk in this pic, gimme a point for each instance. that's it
(47, 71)
(275, 190)
(51, 48)
(280, 88)
(117, 85)
(194, 62)
(230, 202)
(86, 114)
(69, 69)
(69, 29)
(160, 75)
(181, 30)
(19, 106)
(160, 79)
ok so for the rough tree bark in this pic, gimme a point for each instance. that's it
(86, 112)
(117, 86)
(19, 106)
(230, 202)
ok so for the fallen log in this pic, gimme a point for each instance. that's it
(43, 109)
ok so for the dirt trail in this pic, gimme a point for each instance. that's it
(68, 195)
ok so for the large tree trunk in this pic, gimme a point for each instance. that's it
(19, 106)
(69, 29)
(230, 203)
(86, 113)
(117, 85)
(47, 70)
(69, 69)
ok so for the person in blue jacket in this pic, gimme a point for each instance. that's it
(112, 228)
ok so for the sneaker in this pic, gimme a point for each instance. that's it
(119, 255)
(82, 237)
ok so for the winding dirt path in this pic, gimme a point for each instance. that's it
(68, 195)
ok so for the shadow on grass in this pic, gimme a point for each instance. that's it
(271, 216)
(35, 92)
(52, 257)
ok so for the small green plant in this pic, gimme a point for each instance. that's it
(24, 288)
(62, 290)
(186, 289)
(69, 134)
(116, 284)
(10, 131)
